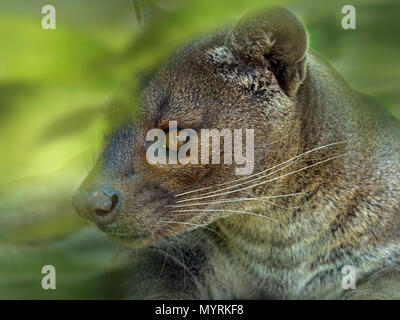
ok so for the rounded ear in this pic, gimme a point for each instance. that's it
(273, 37)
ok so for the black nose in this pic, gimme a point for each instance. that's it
(99, 205)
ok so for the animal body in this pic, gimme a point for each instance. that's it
(324, 192)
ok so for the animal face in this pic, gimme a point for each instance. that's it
(243, 78)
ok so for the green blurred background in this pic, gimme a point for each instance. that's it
(54, 85)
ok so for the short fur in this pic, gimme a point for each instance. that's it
(259, 75)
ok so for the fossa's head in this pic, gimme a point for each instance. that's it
(245, 77)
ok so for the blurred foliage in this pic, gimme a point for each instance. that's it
(54, 85)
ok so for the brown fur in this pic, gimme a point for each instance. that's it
(257, 75)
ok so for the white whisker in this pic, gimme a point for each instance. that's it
(230, 211)
(264, 182)
(237, 199)
(261, 172)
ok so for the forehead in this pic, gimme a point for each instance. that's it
(204, 75)
(187, 76)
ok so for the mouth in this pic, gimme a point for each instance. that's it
(131, 240)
